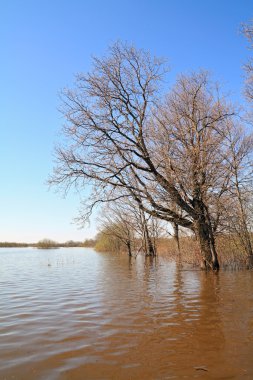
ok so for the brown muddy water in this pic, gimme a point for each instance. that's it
(77, 314)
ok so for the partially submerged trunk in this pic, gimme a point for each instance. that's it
(129, 250)
(176, 238)
(207, 247)
(249, 262)
(247, 246)
(206, 240)
(176, 235)
(149, 248)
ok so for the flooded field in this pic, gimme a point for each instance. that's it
(78, 314)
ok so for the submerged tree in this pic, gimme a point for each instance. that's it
(125, 140)
(117, 223)
(138, 232)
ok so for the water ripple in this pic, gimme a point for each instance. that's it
(77, 314)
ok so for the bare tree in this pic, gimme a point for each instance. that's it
(239, 157)
(118, 225)
(247, 30)
(137, 230)
(190, 154)
(126, 142)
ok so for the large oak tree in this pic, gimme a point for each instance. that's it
(128, 141)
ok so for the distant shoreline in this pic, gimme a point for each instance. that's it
(50, 244)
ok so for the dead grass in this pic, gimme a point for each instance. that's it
(230, 252)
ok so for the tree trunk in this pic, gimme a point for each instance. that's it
(129, 249)
(205, 236)
(215, 261)
(249, 262)
(176, 238)
(176, 235)
(207, 247)
(248, 243)
(148, 242)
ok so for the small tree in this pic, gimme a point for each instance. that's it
(114, 237)
(118, 225)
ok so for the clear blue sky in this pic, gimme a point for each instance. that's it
(44, 43)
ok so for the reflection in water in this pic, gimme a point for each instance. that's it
(77, 314)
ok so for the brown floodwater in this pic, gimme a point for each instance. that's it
(78, 314)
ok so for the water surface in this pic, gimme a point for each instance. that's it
(77, 314)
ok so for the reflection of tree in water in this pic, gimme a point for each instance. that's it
(236, 310)
(188, 330)
(206, 336)
(161, 321)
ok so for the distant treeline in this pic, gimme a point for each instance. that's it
(6, 244)
(48, 243)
